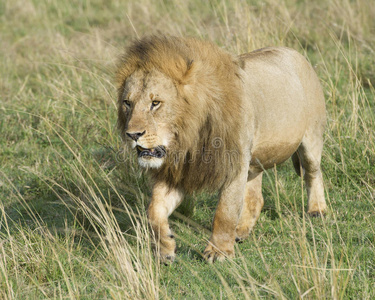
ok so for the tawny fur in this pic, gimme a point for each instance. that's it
(223, 120)
(210, 113)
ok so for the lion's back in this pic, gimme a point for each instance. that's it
(286, 70)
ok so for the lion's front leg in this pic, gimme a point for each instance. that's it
(226, 218)
(163, 202)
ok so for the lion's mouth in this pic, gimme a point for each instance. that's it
(157, 152)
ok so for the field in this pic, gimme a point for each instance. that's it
(72, 200)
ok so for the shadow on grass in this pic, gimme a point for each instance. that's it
(55, 201)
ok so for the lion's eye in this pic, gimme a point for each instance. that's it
(154, 104)
(127, 103)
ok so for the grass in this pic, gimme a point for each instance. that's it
(72, 217)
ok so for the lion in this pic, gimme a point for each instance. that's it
(200, 118)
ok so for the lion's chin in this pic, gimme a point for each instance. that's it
(149, 162)
(151, 158)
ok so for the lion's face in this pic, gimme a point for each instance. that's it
(147, 108)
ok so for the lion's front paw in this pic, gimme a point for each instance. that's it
(242, 233)
(212, 254)
(167, 259)
(166, 249)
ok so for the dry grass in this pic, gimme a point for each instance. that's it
(72, 219)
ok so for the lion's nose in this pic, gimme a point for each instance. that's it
(136, 135)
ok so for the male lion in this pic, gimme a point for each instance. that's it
(200, 118)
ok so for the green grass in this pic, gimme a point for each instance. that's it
(72, 209)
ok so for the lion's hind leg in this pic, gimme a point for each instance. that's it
(253, 204)
(309, 153)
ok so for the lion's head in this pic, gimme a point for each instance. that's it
(179, 107)
(147, 110)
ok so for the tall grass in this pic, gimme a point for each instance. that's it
(73, 200)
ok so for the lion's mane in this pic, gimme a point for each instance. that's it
(206, 153)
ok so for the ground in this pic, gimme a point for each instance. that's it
(72, 205)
